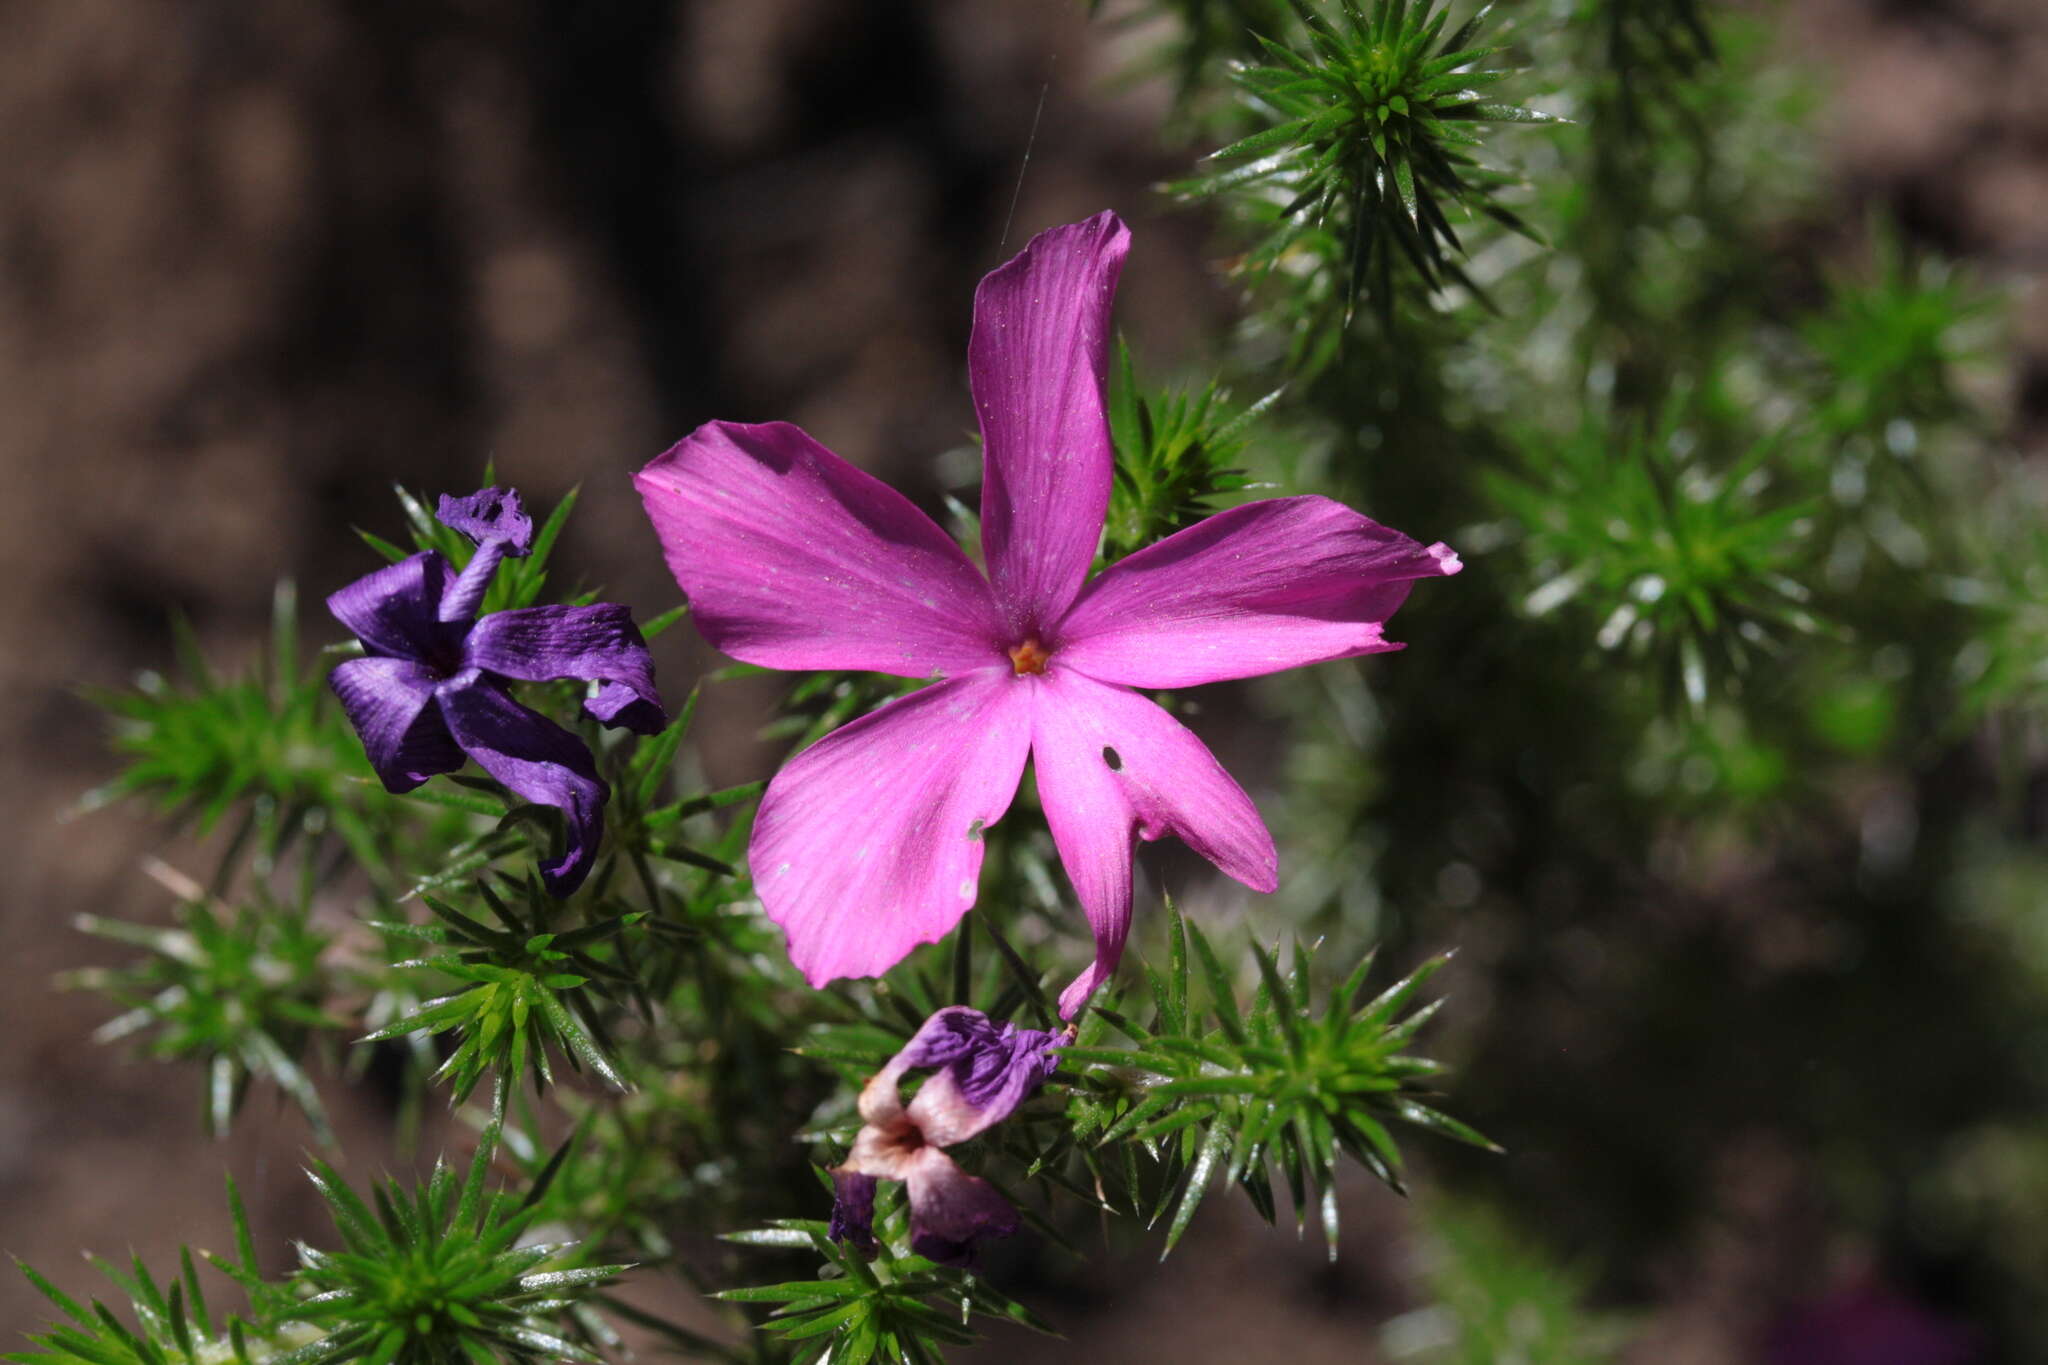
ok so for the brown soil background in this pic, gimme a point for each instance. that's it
(256, 263)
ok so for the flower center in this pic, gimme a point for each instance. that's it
(1029, 657)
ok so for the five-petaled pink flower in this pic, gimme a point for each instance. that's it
(870, 842)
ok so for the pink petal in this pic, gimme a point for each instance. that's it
(1037, 361)
(1111, 763)
(951, 1211)
(1253, 590)
(869, 843)
(793, 558)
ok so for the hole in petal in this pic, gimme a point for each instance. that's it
(1114, 759)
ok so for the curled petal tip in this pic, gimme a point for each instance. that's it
(490, 515)
(1447, 560)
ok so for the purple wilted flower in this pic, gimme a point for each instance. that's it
(982, 1071)
(432, 687)
(870, 841)
(1869, 1323)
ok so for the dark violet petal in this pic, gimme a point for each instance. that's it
(1262, 587)
(395, 611)
(490, 516)
(853, 1210)
(982, 1071)
(500, 527)
(1112, 765)
(793, 558)
(466, 594)
(538, 760)
(997, 1078)
(869, 842)
(622, 705)
(597, 643)
(951, 1211)
(1038, 361)
(389, 703)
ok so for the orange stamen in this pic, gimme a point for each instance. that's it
(1029, 657)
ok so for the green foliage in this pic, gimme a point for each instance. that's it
(640, 824)
(444, 1274)
(1206, 35)
(898, 1308)
(240, 989)
(2004, 667)
(528, 989)
(1495, 1300)
(1175, 455)
(173, 1323)
(272, 742)
(1890, 342)
(819, 703)
(1689, 564)
(1367, 150)
(1212, 1090)
(1645, 46)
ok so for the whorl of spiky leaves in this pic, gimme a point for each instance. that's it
(442, 1273)
(1370, 151)
(1176, 453)
(1493, 1296)
(1892, 339)
(1696, 565)
(525, 990)
(1211, 1089)
(269, 741)
(173, 1321)
(237, 988)
(439, 1273)
(895, 1308)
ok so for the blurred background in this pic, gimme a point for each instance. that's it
(1783, 1060)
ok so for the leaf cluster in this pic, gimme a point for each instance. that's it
(897, 1308)
(174, 1322)
(1176, 454)
(1215, 1094)
(240, 989)
(270, 743)
(1367, 149)
(1493, 1298)
(1892, 340)
(442, 1274)
(527, 990)
(1690, 565)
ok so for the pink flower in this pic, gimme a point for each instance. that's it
(981, 1072)
(870, 842)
